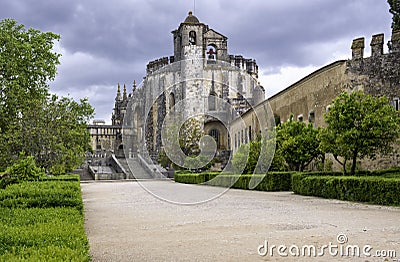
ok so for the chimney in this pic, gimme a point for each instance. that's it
(358, 48)
(377, 45)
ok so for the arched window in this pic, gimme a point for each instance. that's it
(171, 102)
(192, 38)
(215, 134)
(211, 52)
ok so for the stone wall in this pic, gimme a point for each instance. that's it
(309, 98)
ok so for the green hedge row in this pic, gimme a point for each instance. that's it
(42, 221)
(42, 194)
(369, 189)
(70, 177)
(42, 234)
(377, 187)
(272, 181)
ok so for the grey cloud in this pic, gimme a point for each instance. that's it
(118, 38)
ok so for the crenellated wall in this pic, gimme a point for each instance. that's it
(309, 98)
(378, 74)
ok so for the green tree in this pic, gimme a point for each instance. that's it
(297, 144)
(52, 130)
(27, 63)
(257, 157)
(395, 11)
(55, 133)
(186, 136)
(189, 137)
(359, 126)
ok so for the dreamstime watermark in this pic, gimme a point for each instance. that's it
(341, 248)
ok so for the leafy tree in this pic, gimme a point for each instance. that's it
(187, 136)
(395, 11)
(255, 157)
(198, 163)
(27, 63)
(53, 130)
(55, 133)
(359, 126)
(297, 144)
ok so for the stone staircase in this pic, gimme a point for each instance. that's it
(133, 169)
(83, 173)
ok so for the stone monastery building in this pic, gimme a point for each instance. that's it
(202, 80)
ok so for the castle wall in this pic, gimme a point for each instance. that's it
(309, 98)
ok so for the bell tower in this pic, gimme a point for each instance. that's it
(188, 39)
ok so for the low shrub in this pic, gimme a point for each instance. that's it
(43, 221)
(391, 172)
(24, 169)
(70, 177)
(42, 194)
(369, 189)
(272, 181)
(42, 234)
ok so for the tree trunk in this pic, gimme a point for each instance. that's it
(344, 167)
(354, 164)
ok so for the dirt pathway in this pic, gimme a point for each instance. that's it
(126, 223)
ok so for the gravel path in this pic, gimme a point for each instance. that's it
(126, 223)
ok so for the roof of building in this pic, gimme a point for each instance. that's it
(191, 19)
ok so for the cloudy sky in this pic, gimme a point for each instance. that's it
(104, 43)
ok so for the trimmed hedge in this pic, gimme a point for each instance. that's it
(369, 189)
(194, 178)
(377, 187)
(43, 221)
(42, 194)
(272, 181)
(42, 234)
(70, 177)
